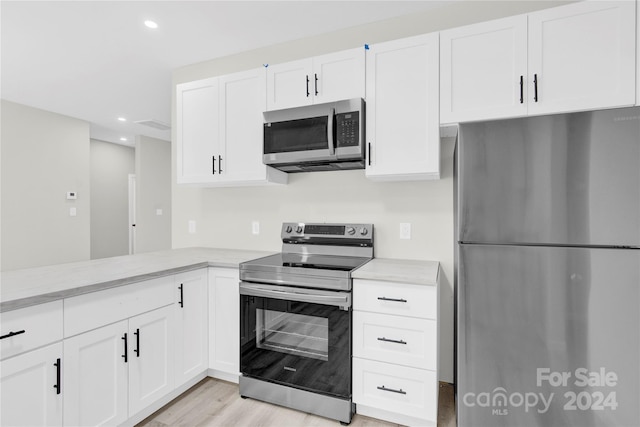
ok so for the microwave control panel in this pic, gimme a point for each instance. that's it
(348, 129)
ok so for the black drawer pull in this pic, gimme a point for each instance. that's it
(390, 340)
(383, 388)
(12, 334)
(535, 87)
(57, 384)
(219, 164)
(181, 302)
(392, 299)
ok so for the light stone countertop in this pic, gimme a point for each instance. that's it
(31, 286)
(399, 270)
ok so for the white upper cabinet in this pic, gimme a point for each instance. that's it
(219, 131)
(582, 56)
(483, 70)
(325, 78)
(570, 58)
(197, 131)
(403, 132)
(242, 101)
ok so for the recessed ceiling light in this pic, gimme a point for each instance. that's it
(150, 24)
(122, 119)
(123, 139)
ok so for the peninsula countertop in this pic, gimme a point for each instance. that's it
(31, 286)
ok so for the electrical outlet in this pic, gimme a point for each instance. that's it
(192, 227)
(255, 227)
(405, 230)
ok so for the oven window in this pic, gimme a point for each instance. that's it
(292, 333)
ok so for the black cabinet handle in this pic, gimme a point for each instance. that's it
(181, 302)
(219, 164)
(308, 86)
(521, 89)
(57, 384)
(383, 388)
(316, 85)
(369, 155)
(213, 161)
(392, 299)
(12, 334)
(125, 355)
(393, 341)
(535, 87)
(137, 350)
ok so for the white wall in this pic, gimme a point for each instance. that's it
(224, 216)
(153, 193)
(44, 155)
(111, 165)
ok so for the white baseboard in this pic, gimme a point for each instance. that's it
(392, 417)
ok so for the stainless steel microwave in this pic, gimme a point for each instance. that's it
(321, 137)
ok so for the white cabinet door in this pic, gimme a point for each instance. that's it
(151, 363)
(483, 71)
(403, 125)
(242, 101)
(289, 84)
(338, 76)
(191, 336)
(197, 132)
(224, 318)
(28, 384)
(582, 56)
(326, 78)
(95, 377)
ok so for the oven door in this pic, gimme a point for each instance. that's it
(296, 337)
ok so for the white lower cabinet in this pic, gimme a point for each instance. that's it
(31, 392)
(224, 322)
(395, 351)
(151, 354)
(95, 377)
(191, 325)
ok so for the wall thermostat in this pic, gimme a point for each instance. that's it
(72, 195)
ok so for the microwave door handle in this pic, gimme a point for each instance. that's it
(330, 133)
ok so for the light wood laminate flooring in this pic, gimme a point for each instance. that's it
(214, 402)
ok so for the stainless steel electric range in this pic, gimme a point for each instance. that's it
(295, 318)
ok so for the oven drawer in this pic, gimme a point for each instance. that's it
(401, 299)
(407, 391)
(30, 327)
(394, 339)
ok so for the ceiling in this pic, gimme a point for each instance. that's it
(96, 60)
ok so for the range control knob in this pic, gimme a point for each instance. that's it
(299, 229)
(351, 231)
(289, 229)
(364, 231)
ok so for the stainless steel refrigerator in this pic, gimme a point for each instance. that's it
(548, 271)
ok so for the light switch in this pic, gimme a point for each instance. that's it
(255, 227)
(72, 211)
(192, 227)
(158, 212)
(405, 230)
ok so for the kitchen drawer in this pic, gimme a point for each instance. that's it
(401, 299)
(395, 339)
(407, 391)
(42, 324)
(96, 309)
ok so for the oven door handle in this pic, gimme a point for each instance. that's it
(338, 299)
